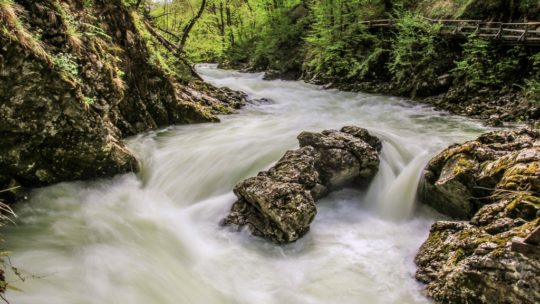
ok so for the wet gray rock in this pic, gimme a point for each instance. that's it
(279, 204)
(493, 182)
(346, 157)
(458, 181)
(273, 209)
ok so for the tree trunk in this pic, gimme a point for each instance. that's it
(388, 6)
(190, 25)
(171, 48)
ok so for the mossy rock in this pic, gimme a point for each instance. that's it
(472, 261)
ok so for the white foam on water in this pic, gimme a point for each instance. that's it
(155, 237)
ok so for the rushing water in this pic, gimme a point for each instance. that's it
(154, 237)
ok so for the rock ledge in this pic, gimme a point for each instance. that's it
(494, 183)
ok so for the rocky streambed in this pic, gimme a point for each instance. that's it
(154, 236)
(491, 183)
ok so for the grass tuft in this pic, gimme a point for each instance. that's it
(8, 13)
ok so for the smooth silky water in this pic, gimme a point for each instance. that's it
(154, 237)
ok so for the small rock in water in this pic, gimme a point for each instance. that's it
(279, 204)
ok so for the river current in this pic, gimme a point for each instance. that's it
(153, 237)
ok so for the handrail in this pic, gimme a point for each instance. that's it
(508, 33)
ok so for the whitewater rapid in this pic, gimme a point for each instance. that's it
(154, 237)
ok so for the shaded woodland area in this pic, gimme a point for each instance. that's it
(331, 43)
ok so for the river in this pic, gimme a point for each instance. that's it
(154, 237)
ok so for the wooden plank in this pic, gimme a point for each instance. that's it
(534, 237)
(490, 29)
(525, 33)
(510, 37)
(518, 245)
(520, 24)
(492, 24)
(513, 30)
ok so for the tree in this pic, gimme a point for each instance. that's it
(388, 5)
(189, 26)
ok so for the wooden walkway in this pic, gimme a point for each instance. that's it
(529, 245)
(527, 33)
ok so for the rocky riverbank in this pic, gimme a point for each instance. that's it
(493, 185)
(407, 54)
(75, 78)
(494, 106)
(490, 186)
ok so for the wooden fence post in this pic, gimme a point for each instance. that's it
(524, 36)
(477, 28)
(499, 33)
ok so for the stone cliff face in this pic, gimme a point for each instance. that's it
(76, 77)
(493, 183)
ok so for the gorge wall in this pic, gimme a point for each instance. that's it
(78, 76)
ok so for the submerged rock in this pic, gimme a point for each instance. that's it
(494, 183)
(279, 204)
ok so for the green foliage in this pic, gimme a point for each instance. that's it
(529, 6)
(88, 100)
(91, 30)
(66, 63)
(88, 3)
(278, 36)
(415, 51)
(444, 9)
(158, 57)
(129, 2)
(482, 65)
(206, 43)
(327, 40)
(532, 91)
(532, 85)
(338, 44)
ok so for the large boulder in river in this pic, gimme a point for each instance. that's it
(273, 209)
(344, 157)
(279, 204)
(496, 180)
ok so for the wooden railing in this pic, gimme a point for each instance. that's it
(527, 33)
(529, 245)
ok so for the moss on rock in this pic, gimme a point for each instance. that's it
(75, 79)
(279, 204)
(472, 261)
